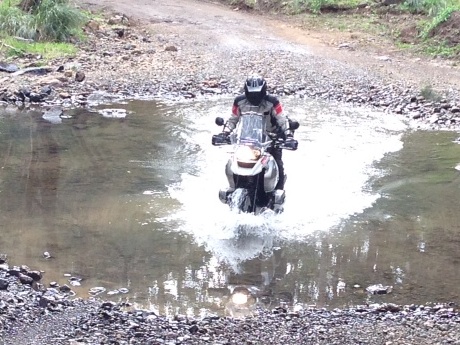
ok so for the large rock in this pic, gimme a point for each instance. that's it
(7, 67)
(53, 115)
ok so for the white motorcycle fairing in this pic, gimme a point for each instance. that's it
(243, 168)
(251, 169)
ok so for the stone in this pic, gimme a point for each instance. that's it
(35, 275)
(80, 76)
(7, 67)
(171, 48)
(25, 279)
(4, 284)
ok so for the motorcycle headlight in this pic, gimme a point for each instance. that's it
(247, 153)
(240, 298)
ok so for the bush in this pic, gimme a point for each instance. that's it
(441, 17)
(53, 20)
(15, 22)
(56, 20)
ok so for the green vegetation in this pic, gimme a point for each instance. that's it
(388, 18)
(429, 7)
(48, 50)
(440, 17)
(44, 27)
(430, 94)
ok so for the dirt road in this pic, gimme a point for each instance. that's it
(209, 27)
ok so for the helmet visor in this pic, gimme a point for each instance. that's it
(255, 84)
(254, 88)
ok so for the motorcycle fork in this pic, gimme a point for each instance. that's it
(255, 188)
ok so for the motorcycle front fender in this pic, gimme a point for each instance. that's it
(246, 171)
(271, 175)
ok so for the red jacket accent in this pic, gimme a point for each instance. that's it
(278, 109)
(235, 110)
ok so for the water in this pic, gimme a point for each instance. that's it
(131, 202)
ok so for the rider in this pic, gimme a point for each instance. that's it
(255, 98)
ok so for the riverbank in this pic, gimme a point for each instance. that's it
(33, 314)
(127, 56)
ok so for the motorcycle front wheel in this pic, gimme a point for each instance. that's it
(242, 200)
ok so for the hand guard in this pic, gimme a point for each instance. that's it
(222, 138)
(290, 143)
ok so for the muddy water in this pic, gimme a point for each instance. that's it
(130, 202)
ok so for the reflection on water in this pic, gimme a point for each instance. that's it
(131, 202)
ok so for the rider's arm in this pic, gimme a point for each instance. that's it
(234, 118)
(278, 114)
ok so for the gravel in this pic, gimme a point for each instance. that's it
(31, 313)
(122, 60)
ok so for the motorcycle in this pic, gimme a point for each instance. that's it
(252, 171)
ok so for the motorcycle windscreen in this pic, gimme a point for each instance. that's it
(251, 129)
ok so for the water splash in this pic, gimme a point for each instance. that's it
(327, 175)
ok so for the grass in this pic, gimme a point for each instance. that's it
(440, 49)
(430, 94)
(47, 50)
(430, 8)
(46, 29)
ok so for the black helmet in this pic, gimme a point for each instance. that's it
(255, 89)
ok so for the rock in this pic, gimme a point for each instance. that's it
(193, 329)
(46, 90)
(37, 97)
(23, 94)
(415, 115)
(119, 19)
(346, 46)
(50, 82)
(93, 25)
(113, 113)
(35, 275)
(171, 48)
(96, 290)
(80, 76)
(98, 97)
(44, 301)
(34, 70)
(7, 67)
(391, 2)
(25, 279)
(384, 58)
(53, 115)
(433, 119)
(65, 288)
(120, 32)
(4, 284)
(379, 289)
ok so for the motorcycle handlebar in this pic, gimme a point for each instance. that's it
(289, 144)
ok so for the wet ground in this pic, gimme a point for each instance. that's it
(129, 201)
